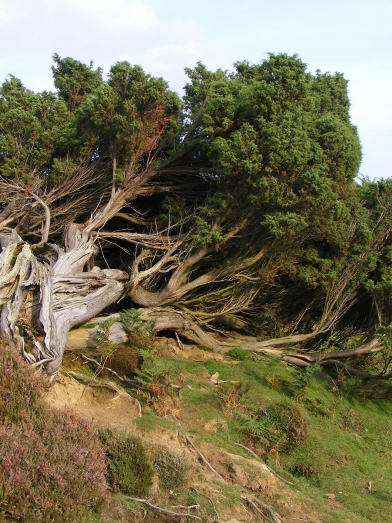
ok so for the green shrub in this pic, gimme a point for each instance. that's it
(279, 427)
(129, 469)
(52, 466)
(141, 333)
(172, 469)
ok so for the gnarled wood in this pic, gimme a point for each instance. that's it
(48, 294)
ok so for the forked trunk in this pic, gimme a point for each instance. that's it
(44, 293)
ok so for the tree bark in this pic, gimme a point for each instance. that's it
(44, 293)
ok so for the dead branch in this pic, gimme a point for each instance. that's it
(190, 507)
(271, 513)
(164, 511)
(246, 510)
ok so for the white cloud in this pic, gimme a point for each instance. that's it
(115, 14)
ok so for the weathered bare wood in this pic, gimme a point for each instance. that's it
(164, 511)
(63, 298)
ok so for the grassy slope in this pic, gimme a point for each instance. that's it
(349, 438)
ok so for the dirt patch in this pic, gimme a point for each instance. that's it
(103, 407)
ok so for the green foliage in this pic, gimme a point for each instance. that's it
(154, 370)
(241, 354)
(129, 469)
(279, 427)
(302, 378)
(31, 127)
(141, 333)
(172, 469)
(52, 465)
(74, 81)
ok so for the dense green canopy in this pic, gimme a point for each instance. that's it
(236, 205)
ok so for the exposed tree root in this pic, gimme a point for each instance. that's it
(163, 511)
(269, 468)
(203, 459)
(263, 510)
(170, 319)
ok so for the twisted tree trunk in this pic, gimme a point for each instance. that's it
(44, 293)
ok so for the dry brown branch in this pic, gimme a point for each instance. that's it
(30, 194)
(164, 511)
(269, 511)
(269, 468)
(190, 507)
(246, 510)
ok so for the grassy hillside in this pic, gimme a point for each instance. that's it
(320, 432)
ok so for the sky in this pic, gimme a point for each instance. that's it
(353, 37)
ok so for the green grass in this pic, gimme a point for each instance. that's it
(348, 443)
(349, 439)
(150, 422)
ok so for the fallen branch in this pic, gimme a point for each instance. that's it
(164, 511)
(246, 510)
(93, 382)
(269, 468)
(210, 500)
(203, 459)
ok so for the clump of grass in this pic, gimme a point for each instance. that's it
(129, 470)
(240, 354)
(151, 422)
(52, 466)
(172, 469)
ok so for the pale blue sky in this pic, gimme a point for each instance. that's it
(164, 36)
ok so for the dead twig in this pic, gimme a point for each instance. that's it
(190, 507)
(217, 520)
(164, 511)
(269, 468)
(179, 342)
(246, 510)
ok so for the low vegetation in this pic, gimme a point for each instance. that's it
(52, 466)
